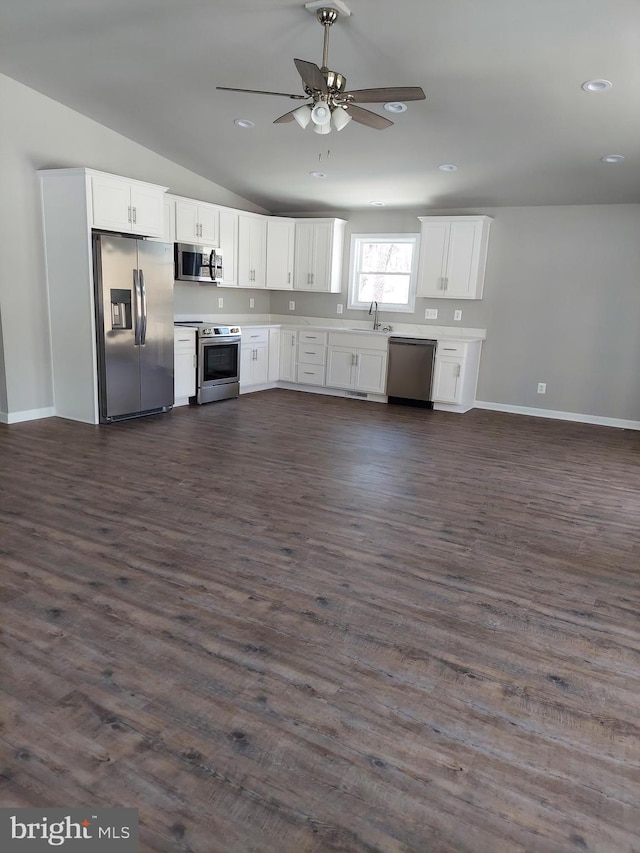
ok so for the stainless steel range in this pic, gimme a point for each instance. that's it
(218, 361)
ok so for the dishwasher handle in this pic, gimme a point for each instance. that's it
(413, 342)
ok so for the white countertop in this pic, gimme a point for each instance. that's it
(410, 330)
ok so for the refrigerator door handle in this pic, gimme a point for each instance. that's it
(137, 301)
(143, 302)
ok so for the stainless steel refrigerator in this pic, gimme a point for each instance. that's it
(134, 326)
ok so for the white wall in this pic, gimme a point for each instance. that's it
(561, 305)
(39, 133)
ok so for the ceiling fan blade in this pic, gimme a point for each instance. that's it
(380, 96)
(311, 75)
(285, 117)
(368, 118)
(261, 92)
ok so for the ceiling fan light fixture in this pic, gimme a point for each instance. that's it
(321, 114)
(322, 128)
(303, 115)
(340, 118)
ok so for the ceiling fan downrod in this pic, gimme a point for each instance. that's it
(327, 17)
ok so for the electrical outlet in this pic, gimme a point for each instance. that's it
(220, 302)
(339, 308)
(252, 302)
(457, 314)
(292, 305)
(542, 387)
(430, 313)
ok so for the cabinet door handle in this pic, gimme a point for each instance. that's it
(312, 277)
(457, 370)
(129, 214)
(446, 284)
(309, 353)
(135, 215)
(293, 341)
(449, 349)
(289, 278)
(194, 361)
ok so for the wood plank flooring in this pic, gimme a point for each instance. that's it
(291, 623)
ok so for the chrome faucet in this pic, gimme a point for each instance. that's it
(374, 311)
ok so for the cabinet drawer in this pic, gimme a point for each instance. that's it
(311, 354)
(310, 374)
(184, 340)
(452, 348)
(255, 336)
(312, 337)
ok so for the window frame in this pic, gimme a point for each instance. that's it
(383, 237)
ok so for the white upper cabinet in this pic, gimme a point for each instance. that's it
(228, 245)
(453, 254)
(252, 246)
(197, 222)
(280, 242)
(119, 204)
(318, 255)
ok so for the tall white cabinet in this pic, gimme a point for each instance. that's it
(453, 255)
(73, 202)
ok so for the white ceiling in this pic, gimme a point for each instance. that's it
(502, 78)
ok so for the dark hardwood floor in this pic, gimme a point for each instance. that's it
(291, 623)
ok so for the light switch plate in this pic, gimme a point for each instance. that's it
(292, 305)
(430, 313)
(252, 302)
(457, 314)
(339, 308)
(220, 302)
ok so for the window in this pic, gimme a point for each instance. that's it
(383, 268)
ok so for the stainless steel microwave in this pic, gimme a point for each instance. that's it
(202, 264)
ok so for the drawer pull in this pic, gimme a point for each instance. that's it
(449, 349)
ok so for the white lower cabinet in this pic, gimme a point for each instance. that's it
(455, 376)
(287, 356)
(254, 358)
(357, 362)
(184, 371)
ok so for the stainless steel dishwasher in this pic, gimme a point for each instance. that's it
(410, 371)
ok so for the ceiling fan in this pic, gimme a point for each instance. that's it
(329, 103)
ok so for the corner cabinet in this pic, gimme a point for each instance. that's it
(318, 255)
(453, 255)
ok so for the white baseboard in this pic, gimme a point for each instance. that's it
(27, 415)
(620, 423)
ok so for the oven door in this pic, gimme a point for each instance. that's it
(198, 263)
(218, 361)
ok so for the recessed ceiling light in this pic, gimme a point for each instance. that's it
(377, 203)
(318, 174)
(612, 158)
(597, 85)
(244, 122)
(448, 167)
(395, 107)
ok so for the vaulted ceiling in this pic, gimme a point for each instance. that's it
(502, 78)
